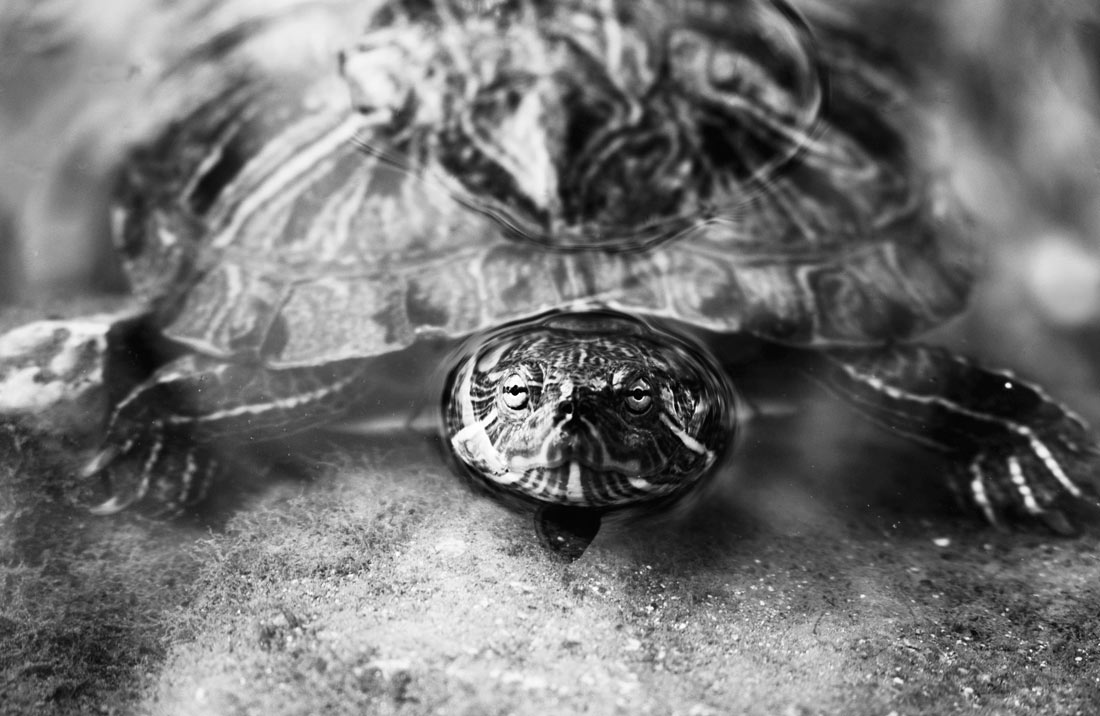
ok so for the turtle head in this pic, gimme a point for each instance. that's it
(581, 414)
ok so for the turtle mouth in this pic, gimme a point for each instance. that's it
(575, 466)
(567, 458)
(573, 482)
(575, 440)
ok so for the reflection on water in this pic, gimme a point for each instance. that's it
(1010, 89)
(588, 125)
(752, 166)
(774, 135)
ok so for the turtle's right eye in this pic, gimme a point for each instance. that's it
(514, 392)
(639, 396)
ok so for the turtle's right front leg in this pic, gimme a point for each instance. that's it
(1018, 450)
(173, 434)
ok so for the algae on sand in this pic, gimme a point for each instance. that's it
(379, 584)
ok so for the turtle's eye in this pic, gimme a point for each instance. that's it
(514, 391)
(638, 397)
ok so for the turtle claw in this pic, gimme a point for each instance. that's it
(102, 460)
(1057, 522)
(111, 506)
(162, 477)
(1025, 484)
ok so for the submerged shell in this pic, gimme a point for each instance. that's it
(539, 159)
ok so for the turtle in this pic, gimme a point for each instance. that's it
(579, 224)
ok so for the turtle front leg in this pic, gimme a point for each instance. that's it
(175, 433)
(159, 469)
(1019, 451)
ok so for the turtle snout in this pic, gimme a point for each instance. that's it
(571, 441)
(565, 411)
(576, 438)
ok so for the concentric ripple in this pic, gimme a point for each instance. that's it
(592, 409)
(588, 124)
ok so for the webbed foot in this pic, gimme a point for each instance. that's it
(1034, 472)
(173, 434)
(1021, 455)
(160, 473)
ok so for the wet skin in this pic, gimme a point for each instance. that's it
(588, 412)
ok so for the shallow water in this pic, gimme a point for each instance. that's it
(823, 554)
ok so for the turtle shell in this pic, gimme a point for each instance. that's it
(472, 168)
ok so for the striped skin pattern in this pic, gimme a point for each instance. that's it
(1018, 451)
(589, 410)
(172, 427)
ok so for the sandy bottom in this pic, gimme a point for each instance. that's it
(828, 571)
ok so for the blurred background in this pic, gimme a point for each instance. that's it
(1011, 90)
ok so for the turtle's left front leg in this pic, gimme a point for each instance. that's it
(173, 434)
(1018, 450)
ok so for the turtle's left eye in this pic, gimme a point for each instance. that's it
(639, 396)
(514, 391)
